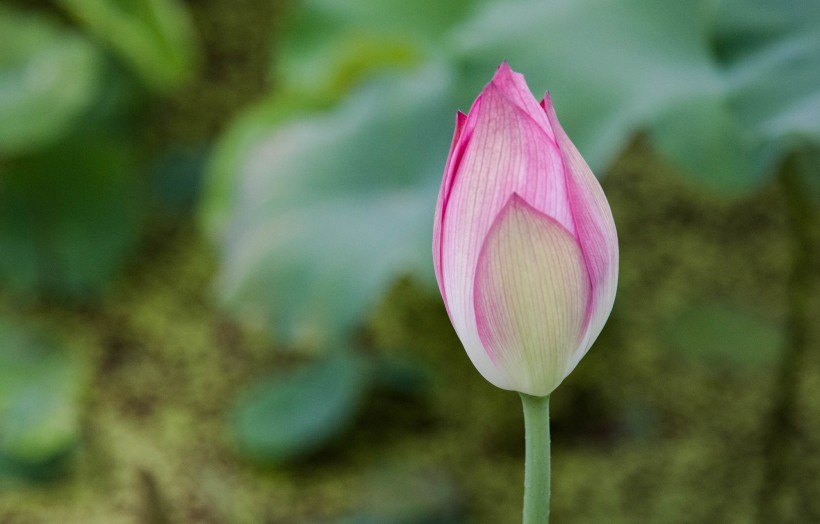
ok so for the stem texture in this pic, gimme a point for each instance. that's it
(537, 465)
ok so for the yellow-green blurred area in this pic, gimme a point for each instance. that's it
(217, 302)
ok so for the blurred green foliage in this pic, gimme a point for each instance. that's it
(292, 415)
(68, 219)
(40, 386)
(69, 195)
(269, 187)
(155, 37)
(319, 195)
(49, 76)
(72, 204)
(295, 209)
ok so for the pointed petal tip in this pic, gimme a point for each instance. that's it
(503, 73)
(517, 200)
(509, 87)
(461, 120)
(546, 102)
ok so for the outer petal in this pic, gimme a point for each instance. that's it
(595, 231)
(453, 158)
(531, 295)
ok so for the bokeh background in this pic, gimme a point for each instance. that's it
(217, 302)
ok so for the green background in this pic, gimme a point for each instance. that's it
(216, 292)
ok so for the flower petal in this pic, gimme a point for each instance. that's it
(531, 296)
(514, 87)
(453, 159)
(501, 150)
(506, 152)
(595, 231)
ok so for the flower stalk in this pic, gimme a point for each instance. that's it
(537, 462)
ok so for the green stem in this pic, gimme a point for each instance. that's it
(537, 465)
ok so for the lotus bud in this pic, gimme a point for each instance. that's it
(524, 245)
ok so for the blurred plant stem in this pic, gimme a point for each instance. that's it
(154, 510)
(537, 465)
(781, 426)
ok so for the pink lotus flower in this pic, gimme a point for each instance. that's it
(524, 245)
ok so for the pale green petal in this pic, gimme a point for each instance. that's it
(532, 293)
